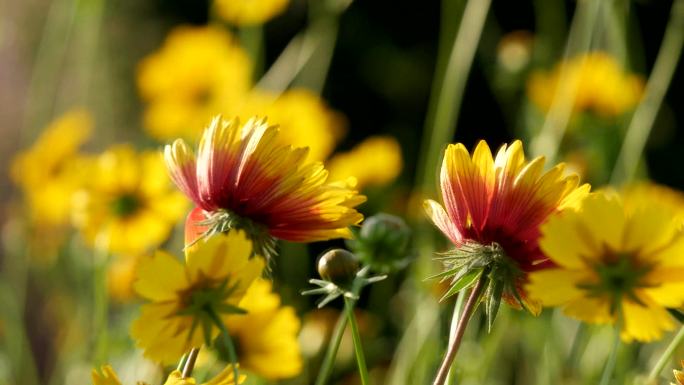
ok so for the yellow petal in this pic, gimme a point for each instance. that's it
(554, 287)
(644, 323)
(160, 277)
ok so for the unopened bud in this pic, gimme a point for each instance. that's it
(338, 266)
(382, 242)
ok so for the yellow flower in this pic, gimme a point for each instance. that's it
(374, 162)
(495, 206)
(249, 12)
(614, 262)
(198, 72)
(107, 376)
(51, 170)
(679, 376)
(185, 297)
(267, 334)
(596, 81)
(303, 118)
(245, 178)
(640, 193)
(129, 205)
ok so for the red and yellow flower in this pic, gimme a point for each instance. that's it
(243, 177)
(494, 207)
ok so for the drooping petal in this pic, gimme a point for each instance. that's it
(440, 218)
(181, 164)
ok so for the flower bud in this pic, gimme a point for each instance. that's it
(338, 266)
(382, 242)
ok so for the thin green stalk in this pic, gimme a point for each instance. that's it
(582, 29)
(312, 47)
(331, 353)
(578, 344)
(101, 299)
(445, 106)
(358, 347)
(451, 376)
(190, 363)
(468, 310)
(227, 340)
(645, 114)
(252, 39)
(181, 362)
(609, 369)
(666, 356)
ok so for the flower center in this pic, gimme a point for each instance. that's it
(125, 205)
(618, 277)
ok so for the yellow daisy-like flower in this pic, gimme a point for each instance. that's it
(615, 262)
(374, 162)
(494, 207)
(107, 376)
(679, 375)
(185, 297)
(245, 178)
(197, 72)
(129, 205)
(249, 12)
(267, 335)
(51, 171)
(596, 81)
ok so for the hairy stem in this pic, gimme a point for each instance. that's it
(468, 310)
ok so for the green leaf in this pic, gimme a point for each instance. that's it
(463, 282)
(445, 273)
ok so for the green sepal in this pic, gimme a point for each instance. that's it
(493, 301)
(462, 282)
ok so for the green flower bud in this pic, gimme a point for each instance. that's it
(382, 243)
(339, 267)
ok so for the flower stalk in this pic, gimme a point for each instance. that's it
(331, 353)
(358, 347)
(609, 369)
(666, 357)
(468, 310)
(189, 363)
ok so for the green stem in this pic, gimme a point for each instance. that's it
(645, 114)
(101, 299)
(468, 310)
(358, 348)
(181, 363)
(252, 39)
(582, 29)
(451, 376)
(666, 357)
(577, 347)
(609, 369)
(232, 353)
(190, 363)
(445, 105)
(331, 353)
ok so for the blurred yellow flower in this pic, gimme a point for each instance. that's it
(249, 12)
(107, 376)
(614, 262)
(267, 334)
(596, 82)
(198, 72)
(374, 162)
(303, 118)
(51, 170)
(120, 278)
(128, 205)
(643, 192)
(184, 297)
